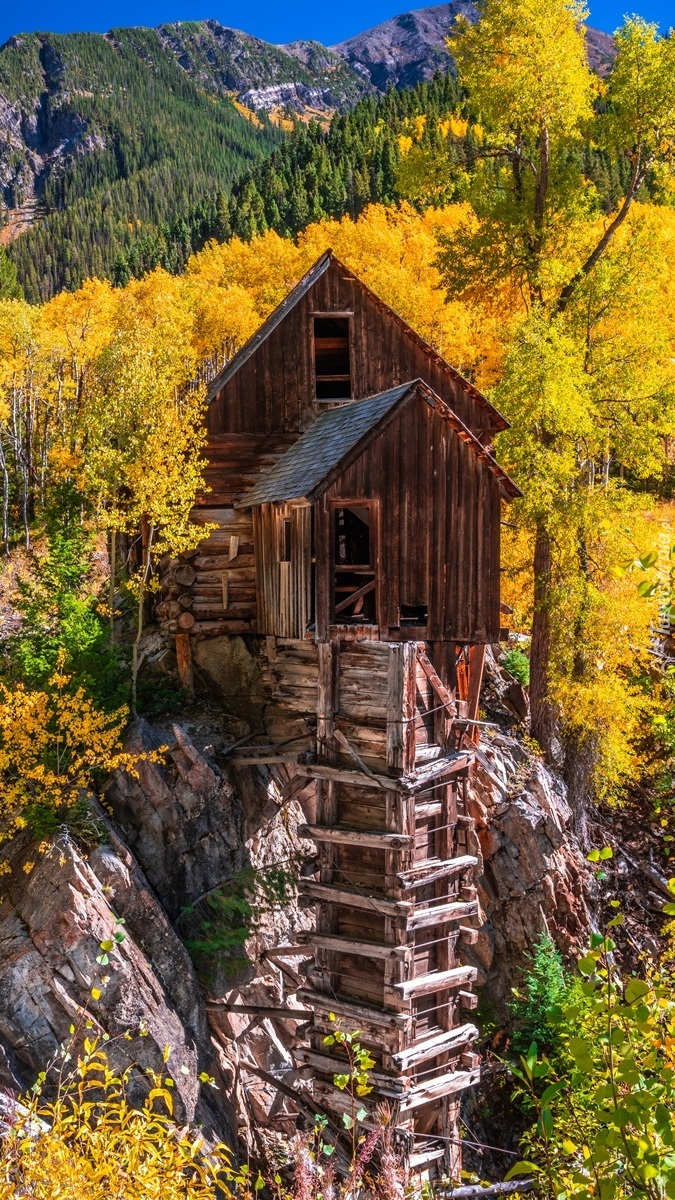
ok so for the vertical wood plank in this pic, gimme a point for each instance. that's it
(184, 662)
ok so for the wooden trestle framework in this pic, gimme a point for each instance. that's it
(394, 889)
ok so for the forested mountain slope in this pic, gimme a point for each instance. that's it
(108, 133)
(118, 151)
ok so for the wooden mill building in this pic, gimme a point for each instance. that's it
(356, 499)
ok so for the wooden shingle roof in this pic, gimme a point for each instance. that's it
(340, 434)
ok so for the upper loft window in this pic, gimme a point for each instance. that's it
(332, 368)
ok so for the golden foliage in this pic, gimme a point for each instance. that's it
(89, 1143)
(53, 744)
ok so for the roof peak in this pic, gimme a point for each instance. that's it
(310, 277)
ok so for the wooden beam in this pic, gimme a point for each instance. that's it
(454, 910)
(341, 945)
(360, 1014)
(286, 952)
(324, 771)
(435, 981)
(362, 591)
(326, 893)
(468, 1001)
(436, 682)
(423, 873)
(265, 756)
(357, 837)
(335, 1066)
(184, 662)
(258, 1010)
(441, 1043)
(445, 1085)
(346, 745)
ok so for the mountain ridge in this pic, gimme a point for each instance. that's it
(106, 139)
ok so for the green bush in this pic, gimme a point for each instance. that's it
(518, 665)
(545, 988)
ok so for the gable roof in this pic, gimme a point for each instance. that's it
(315, 272)
(341, 434)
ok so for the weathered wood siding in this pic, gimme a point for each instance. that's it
(274, 389)
(439, 514)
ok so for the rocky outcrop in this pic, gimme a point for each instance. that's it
(195, 822)
(59, 905)
(412, 46)
(295, 96)
(535, 876)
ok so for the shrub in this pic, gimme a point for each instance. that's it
(90, 1144)
(545, 988)
(518, 665)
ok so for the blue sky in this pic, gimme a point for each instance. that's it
(267, 18)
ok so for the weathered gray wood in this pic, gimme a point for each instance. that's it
(455, 910)
(342, 945)
(324, 771)
(424, 873)
(357, 837)
(328, 893)
(450, 1039)
(361, 1014)
(436, 981)
(443, 1085)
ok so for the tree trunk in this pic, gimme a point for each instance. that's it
(580, 761)
(111, 589)
(142, 585)
(543, 719)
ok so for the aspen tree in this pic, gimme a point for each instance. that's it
(536, 239)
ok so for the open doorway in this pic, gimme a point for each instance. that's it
(354, 585)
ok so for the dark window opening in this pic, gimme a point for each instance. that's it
(352, 536)
(354, 595)
(285, 540)
(332, 370)
(413, 614)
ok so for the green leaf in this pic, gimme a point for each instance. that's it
(648, 560)
(606, 853)
(361, 1113)
(635, 990)
(328, 1150)
(588, 964)
(522, 1167)
(347, 1121)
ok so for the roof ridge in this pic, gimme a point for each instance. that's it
(311, 275)
(306, 468)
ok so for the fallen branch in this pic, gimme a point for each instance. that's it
(476, 1192)
(656, 878)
